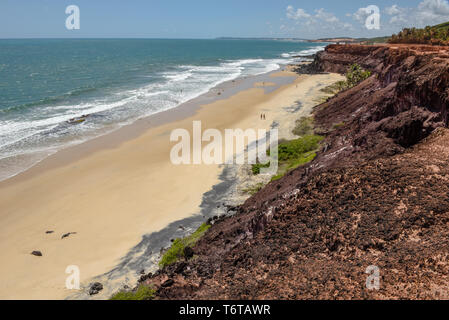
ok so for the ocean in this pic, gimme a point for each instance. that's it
(46, 82)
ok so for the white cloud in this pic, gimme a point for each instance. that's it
(428, 12)
(361, 15)
(394, 18)
(297, 14)
(398, 15)
(319, 20)
(321, 23)
(326, 16)
(393, 10)
(431, 11)
(435, 7)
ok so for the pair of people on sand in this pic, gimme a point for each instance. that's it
(263, 116)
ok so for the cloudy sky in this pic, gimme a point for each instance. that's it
(215, 18)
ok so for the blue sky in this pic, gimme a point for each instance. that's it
(213, 18)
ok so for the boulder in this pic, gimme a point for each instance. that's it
(95, 288)
(37, 253)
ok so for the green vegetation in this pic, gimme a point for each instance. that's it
(355, 75)
(374, 40)
(285, 167)
(338, 125)
(254, 189)
(293, 154)
(295, 149)
(444, 25)
(320, 100)
(176, 251)
(256, 168)
(303, 126)
(335, 88)
(142, 293)
(436, 35)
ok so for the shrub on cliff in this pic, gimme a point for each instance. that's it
(177, 250)
(355, 75)
(292, 154)
(142, 293)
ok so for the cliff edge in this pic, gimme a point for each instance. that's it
(376, 195)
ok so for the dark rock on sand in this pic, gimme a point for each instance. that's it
(95, 288)
(67, 235)
(37, 253)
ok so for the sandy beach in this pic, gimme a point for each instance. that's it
(113, 190)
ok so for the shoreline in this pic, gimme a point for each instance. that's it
(103, 173)
(114, 138)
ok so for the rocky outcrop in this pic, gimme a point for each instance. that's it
(405, 99)
(376, 195)
(338, 58)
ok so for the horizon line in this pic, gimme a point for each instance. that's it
(167, 38)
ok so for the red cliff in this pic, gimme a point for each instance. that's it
(376, 195)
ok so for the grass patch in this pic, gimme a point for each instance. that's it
(295, 149)
(335, 88)
(293, 164)
(176, 251)
(254, 189)
(303, 126)
(255, 168)
(338, 125)
(142, 293)
(293, 154)
(320, 100)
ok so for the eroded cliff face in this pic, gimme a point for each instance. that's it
(377, 194)
(403, 102)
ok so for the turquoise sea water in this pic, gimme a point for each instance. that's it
(44, 83)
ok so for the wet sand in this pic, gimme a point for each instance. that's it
(115, 189)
